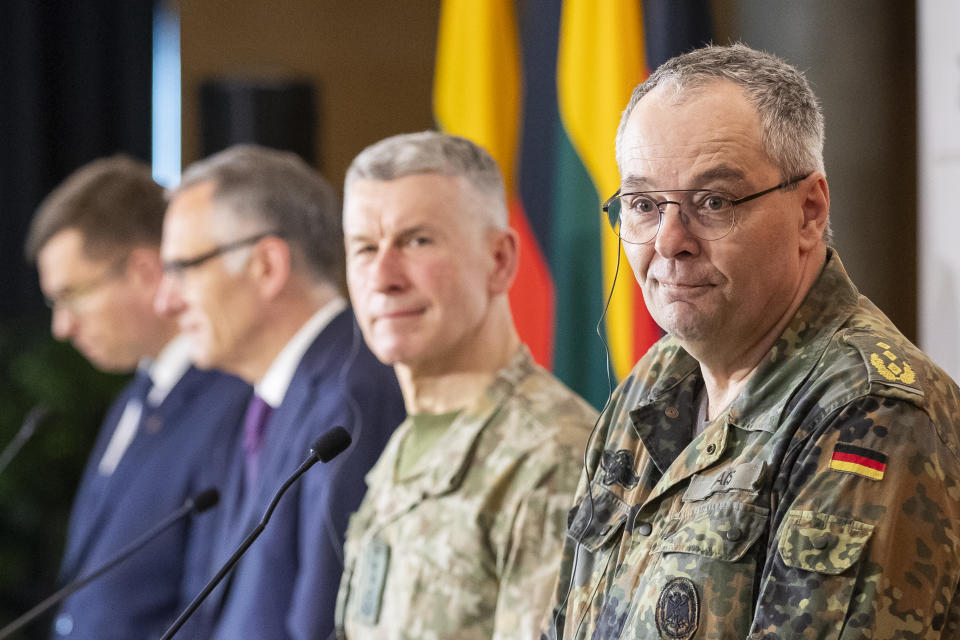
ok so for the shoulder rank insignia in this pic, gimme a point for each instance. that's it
(888, 366)
(858, 461)
(618, 468)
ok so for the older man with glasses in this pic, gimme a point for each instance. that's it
(253, 261)
(96, 241)
(784, 463)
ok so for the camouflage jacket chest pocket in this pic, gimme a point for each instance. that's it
(718, 517)
(813, 577)
(719, 530)
(597, 519)
(712, 549)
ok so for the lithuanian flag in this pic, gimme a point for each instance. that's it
(543, 92)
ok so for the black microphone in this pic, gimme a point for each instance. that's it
(324, 449)
(30, 423)
(197, 504)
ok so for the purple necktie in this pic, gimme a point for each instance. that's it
(254, 429)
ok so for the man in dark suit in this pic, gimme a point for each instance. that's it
(253, 255)
(96, 242)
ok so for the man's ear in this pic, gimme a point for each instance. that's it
(816, 210)
(270, 265)
(505, 250)
(144, 268)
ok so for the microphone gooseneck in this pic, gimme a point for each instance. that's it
(324, 449)
(196, 504)
(34, 418)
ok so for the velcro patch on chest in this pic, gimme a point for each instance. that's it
(860, 461)
(742, 477)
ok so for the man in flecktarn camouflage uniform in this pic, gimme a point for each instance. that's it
(784, 463)
(460, 533)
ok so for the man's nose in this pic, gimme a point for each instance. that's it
(168, 301)
(673, 237)
(386, 271)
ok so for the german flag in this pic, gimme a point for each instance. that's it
(857, 460)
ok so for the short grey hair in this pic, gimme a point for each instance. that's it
(791, 119)
(790, 115)
(430, 152)
(277, 192)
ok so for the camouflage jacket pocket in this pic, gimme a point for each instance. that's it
(822, 543)
(594, 523)
(706, 558)
(812, 579)
(721, 530)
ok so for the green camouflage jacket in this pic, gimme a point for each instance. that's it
(822, 503)
(470, 547)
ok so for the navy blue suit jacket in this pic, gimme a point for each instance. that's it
(286, 585)
(178, 450)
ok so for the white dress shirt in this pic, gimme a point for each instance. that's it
(275, 382)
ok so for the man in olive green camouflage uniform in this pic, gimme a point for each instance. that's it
(460, 533)
(784, 463)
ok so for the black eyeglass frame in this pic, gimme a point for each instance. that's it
(613, 217)
(179, 266)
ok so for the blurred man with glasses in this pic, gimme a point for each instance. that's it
(96, 242)
(784, 463)
(253, 261)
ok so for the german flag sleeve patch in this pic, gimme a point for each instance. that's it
(859, 461)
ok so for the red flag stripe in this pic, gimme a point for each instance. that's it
(532, 294)
(855, 459)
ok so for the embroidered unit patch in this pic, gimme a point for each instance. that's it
(678, 610)
(618, 468)
(857, 460)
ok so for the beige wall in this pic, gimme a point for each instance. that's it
(371, 60)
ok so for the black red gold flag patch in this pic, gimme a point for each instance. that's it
(858, 460)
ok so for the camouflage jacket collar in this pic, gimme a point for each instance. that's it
(445, 470)
(673, 376)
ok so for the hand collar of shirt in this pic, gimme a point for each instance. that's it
(273, 386)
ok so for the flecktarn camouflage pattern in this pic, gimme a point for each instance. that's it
(470, 547)
(822, 503)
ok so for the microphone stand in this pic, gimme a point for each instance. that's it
(199, 503)
(30, 423)
(324, 449)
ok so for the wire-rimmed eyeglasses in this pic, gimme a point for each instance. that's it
(177, 267)
(709, 215)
